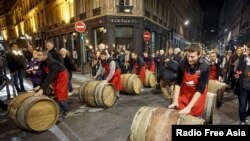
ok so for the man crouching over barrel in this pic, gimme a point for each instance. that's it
(55, 73)
(112, 71)
(191, 83)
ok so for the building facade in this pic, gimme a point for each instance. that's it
(115, 23)
(234, 24)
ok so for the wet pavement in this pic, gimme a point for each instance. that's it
(96, 124)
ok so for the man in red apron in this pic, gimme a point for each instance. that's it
(191, 83)
(215, 67)
(112, 71)
(139, 66)
(150, 64)
(54, 73)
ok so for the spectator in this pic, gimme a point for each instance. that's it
(53, 52)
(69, 65)
(16, 63)
(34, 69)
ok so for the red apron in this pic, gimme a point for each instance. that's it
(116, 79)
(142, 72)
(152, 68)
(188, 89)
(60, 85)
(213, 71)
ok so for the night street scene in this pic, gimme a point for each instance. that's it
(123, 70)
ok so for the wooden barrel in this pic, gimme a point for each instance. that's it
(217, 88)
(210, 108)
(33, 113)
(155, 124)
(131, 84)
(97, 94)
(150, 79)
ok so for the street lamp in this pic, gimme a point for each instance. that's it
(186, 23)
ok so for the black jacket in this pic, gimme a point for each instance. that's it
(56, 55)
(219, 69)
(69, 65)
(241, 68)
(15, 62)
(159, 60)
(54, 67)
(177, 57)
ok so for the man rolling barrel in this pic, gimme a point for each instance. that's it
(149, 61)
(139, 66)
(112, 71)
(215, 67)
(191, 83)
(55, 73)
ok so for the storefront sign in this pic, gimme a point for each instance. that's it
(120, 20)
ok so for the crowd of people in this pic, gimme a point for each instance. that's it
(181, 75)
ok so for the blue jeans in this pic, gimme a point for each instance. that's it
(244, 97)
(64, 107)
(70, 83)
(18, 75)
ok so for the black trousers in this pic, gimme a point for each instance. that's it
(3, 106)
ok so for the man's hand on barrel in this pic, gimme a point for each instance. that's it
(220, 79)
(185, 110)
(39, 93)
(105, 81)
(36, 88)
(173, 105)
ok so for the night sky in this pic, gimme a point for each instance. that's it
(211, 19)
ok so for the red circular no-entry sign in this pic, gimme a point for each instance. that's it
(80, 26)
(146, 36)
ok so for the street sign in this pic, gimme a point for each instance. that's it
(146, 36)
(80, 26)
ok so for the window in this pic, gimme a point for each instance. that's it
(124, 32)
(124, 2)
(96, 4)
(84, 3)
(124, 6)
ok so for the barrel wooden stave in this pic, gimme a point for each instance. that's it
(108, 95)
(15, 104)
(155, 124)
(150, 79)
(80, 91)
(217, 88)
(210, 108)
(137, 86)
(88, 93)
(124, 79)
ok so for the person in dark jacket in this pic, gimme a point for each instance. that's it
(28, 53)
(34, 69)
(177, 55)
(243, 75)
(53, 52)
(150, 64)
(69, 65)
(233, 63)
(215, 67)
(54, 73)
(139, 66)
(16, 64)
(160, 63)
